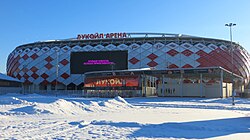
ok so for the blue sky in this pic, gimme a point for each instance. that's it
(27, 21)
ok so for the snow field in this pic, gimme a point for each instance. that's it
(45, 117)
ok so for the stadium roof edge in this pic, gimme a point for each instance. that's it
(130, 36)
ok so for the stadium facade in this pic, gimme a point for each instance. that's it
(47, 65)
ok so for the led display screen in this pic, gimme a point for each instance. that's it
(115, 81)
(81, 62)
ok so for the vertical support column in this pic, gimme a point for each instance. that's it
(144, 85)
(150, 81)
(201, 85)
(83, 89)
(29, 88)
(48, 87)
(181, 85)
(33, 88)
(227, 90)
(163, 85)
(221, 83)
(23, 90)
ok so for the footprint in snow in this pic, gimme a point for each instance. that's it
(80, 124)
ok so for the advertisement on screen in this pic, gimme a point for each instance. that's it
(81, 62)
(116, 81)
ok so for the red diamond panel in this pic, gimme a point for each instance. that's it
(54, 82)
(34, 56)
(34, 69)
(187, 81)
(203, 62)
(25, 70)
(49, 59)
(64, 62)
(65, 75)
(19, 76)
(26, 76)
(187, 52)
(172, 52)
(45, 82)
(44, 76)
(65, 49)
(34, 75)
(201, 53)
(152, 64)
(17, 71)
(172, 66)
(187, 66)
(152, 56)
(25, 57)
(48, 66)
(134, 60)
(27, 82)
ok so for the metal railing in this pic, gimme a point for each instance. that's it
(88, 94)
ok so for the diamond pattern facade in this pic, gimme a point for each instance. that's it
(36, 63)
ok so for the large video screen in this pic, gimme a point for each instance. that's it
(81, 62)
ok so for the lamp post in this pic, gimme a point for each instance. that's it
(230, 25)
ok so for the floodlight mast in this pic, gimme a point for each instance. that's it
(230, 25)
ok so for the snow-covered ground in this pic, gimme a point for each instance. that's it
(46, 117)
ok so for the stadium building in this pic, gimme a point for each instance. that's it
(63, 64)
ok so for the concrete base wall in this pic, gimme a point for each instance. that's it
(4, 90)
(212, 90)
